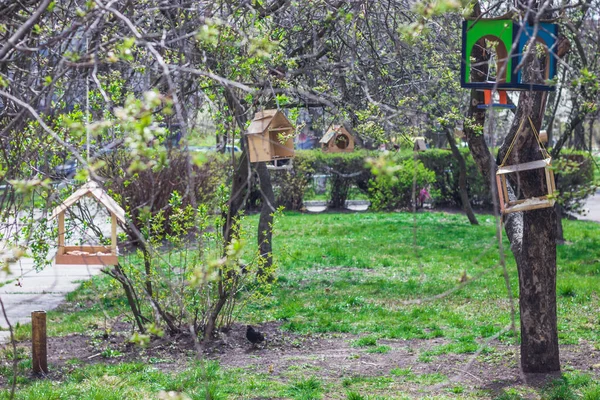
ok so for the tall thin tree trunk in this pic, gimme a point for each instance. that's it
(265, 230)
(462, 180)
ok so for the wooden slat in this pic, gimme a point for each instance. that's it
(91, 188)
(529, 204)
(500, 192)
(89, 249)
(67, 259)
(524, 167)
(87, 259)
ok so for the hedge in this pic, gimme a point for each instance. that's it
(436, 168)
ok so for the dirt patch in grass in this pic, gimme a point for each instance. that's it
(342, 359)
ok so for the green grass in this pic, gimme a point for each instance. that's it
(354, 273)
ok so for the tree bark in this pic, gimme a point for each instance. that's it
(462, 180)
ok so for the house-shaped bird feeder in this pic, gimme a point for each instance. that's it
(270, 137)
(508, 43)
(509, 206)
(337, 140)
(420, 144)
(86, 254)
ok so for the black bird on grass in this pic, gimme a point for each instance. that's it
(254, 336)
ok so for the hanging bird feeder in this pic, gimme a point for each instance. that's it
(508, 43)
(87, 254)
(337, 140)
(269, 137)
(509, 206)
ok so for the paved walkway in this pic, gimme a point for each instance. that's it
(26, 290)
(592, 208)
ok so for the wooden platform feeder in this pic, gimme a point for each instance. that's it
(86, 254)
(337, 140)
(533, 203)
(270, 137)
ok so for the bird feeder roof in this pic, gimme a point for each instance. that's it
(94, 190)
(335, 129)
(266, 119)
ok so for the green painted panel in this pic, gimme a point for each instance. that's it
(500, 28)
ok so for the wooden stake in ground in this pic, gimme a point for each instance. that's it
(38, 342)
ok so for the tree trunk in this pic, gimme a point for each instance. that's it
(536, 260)
(265, 231)
(462, 180)
(240, 187)
(537, 292)
(560, 236)
(532, 234)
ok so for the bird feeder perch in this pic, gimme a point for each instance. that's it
(337, 140)
(86, 254)
(270, 137)
(509, 206)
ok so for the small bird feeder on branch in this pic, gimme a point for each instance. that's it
(270, 137)
(86, 254)
(509, 206)
(419, 144)
(337, 140)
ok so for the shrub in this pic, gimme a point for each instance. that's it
(345, 170)
(445, 167)
(394, 190)
(291, 185)
(574, 175)
(149, 190)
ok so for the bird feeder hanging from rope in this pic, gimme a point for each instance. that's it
(509, 206)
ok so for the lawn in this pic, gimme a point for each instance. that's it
(366, 306)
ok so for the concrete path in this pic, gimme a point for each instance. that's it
(592, 208)
(26, 290)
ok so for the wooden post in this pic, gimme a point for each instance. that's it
(61, 233)
(113, 234)
(38, 342)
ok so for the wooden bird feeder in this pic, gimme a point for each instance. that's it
(506, 205)
(509, 40)
(420, 144)
(270, 137)
(337, 140)
(86, 254)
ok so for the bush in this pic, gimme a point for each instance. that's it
(150, 190)
(291, 185)
(574, 174)
(394, 190)
(344, 170)
(445, 167)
